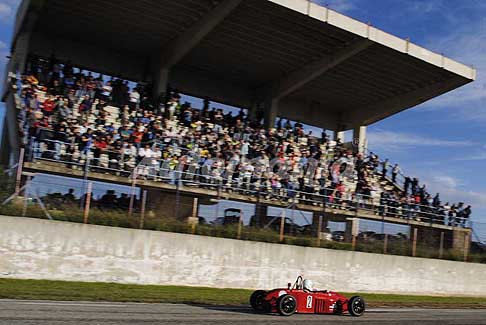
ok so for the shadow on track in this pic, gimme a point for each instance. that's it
(249, 310)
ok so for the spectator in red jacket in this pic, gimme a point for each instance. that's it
(49, 105)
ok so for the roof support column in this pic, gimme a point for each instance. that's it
(359, 139)
(18, 60)
(253, 111)
(4, 148)
(339, 136)
(270, 112)
(161, 82)
(19, 57)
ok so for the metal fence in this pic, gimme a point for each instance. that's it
(193, 175)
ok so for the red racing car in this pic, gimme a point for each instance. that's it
(303, 299)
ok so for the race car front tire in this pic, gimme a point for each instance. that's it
(286, 305)
(356, 306)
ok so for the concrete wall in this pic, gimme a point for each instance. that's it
(41, 249)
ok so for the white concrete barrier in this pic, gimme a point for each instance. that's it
(41, 249)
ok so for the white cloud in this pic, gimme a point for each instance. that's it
(8, 9)
(466, 43)
(393, 141)
(447, 181)
(453, 190)
(478, 156)
(424, 7)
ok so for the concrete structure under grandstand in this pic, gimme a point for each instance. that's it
(289, 58)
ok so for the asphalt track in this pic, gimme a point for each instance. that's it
(13, 312)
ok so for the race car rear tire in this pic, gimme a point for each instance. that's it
(356, 306)
(257, 301)
(286, 305)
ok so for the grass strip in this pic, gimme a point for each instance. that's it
(114, 292)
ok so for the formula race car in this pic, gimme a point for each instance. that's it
(302, 298)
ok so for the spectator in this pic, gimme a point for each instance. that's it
(83, 116)
(395, 172)
(69, 196)
(385, 164)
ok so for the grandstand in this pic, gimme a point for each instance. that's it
(277, 60)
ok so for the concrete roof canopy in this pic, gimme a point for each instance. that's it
(324, 68)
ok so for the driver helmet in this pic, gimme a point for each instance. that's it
(308, 285)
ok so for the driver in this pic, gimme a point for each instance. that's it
(308, 285)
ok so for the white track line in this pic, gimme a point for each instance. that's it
(70, 304)
(61, 303)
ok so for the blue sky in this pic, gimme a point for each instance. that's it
(443, 142)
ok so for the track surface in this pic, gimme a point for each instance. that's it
(13, 312)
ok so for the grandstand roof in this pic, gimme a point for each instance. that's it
(327, 69)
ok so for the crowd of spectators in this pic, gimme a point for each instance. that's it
(113, 125)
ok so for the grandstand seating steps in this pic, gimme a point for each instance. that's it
(113, 117)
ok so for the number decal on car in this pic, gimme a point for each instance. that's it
(309, 302)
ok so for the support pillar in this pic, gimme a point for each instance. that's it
(261, 213)
(4, 149)
(10, 125)
(352, 229)
(461, 240)
(253, 112)
(161, 82)
(21, 53)
(359, 139)
(339, 135)
(319, 223)
(271, 112)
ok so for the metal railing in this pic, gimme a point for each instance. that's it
(222, 181)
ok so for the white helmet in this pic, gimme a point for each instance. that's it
(308, 285)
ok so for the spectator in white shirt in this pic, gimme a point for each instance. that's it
(134, 99)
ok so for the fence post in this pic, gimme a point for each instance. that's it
(20, 166)
(85, 178)
(132, 193)
(194, 215)
(87, 202)
(414, 243)
(441, 247)
(319, 228)
(177, 200)
(240, 224)
(31, 149)
(466, 246)
(258, 218)
(385, 244)
(282, 226)
(26, 193)
(142, 212)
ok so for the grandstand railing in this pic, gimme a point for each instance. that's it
(157, 170)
